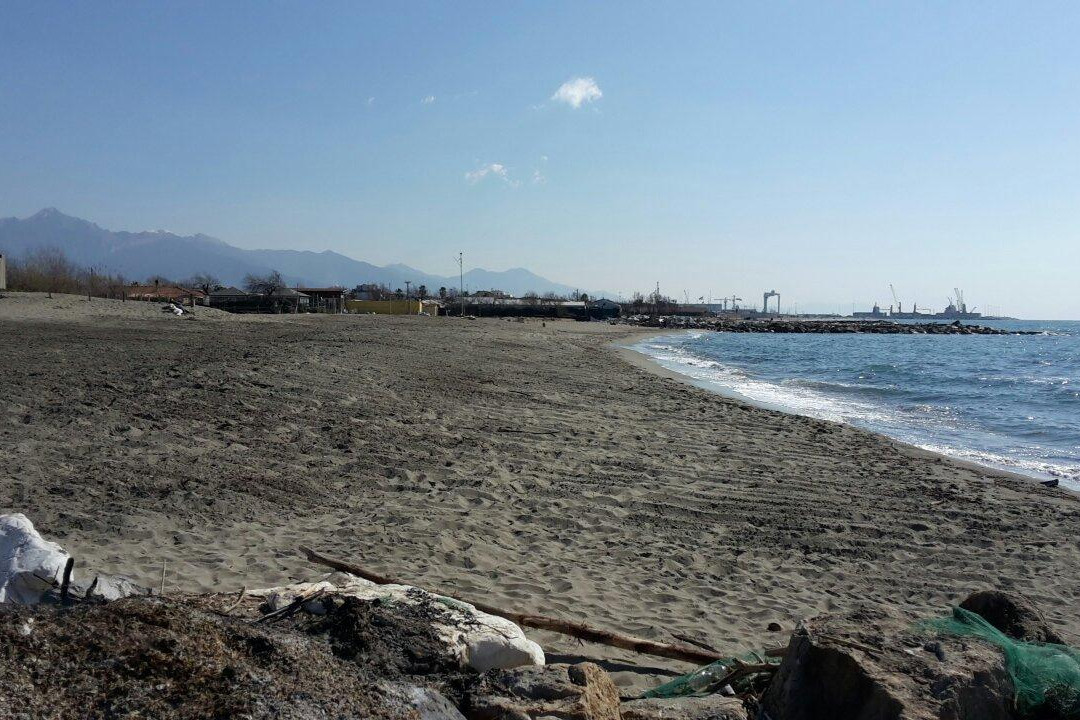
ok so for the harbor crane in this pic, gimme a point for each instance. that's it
(899, 306)
(765, 301)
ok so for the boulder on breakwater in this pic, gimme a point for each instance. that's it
(782, 325)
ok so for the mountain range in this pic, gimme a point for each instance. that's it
(139, 255)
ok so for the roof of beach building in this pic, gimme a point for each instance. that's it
(322, 290)
(228, 292)
(162, 291)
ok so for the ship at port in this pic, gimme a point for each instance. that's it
(957, 309)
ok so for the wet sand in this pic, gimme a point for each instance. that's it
(538, 467)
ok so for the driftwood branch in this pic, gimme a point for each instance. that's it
(692, 641)
(291, 608)
(243, 592)
(90, 590)
(581, 631)
(65, 585)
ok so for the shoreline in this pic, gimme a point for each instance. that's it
(523, 463)
(646, 362)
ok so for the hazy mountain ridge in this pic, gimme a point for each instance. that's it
(138, 255)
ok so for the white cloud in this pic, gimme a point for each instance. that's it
(427, 100)
(538, 177)
(493, 169)
(575, 92)
(371, 101)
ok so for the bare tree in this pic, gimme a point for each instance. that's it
(269, 284)
(55, 271)
(205, 282)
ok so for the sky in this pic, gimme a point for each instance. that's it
(824, 150)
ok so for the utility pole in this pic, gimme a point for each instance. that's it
(656, 301)
(461, 281)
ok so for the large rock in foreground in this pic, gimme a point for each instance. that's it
(1012, 614)
(871, 665)
(476, 639)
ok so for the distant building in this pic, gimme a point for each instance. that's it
(232, 299)
(603, 308)
(391, 307)
(366, 291)
(235, 300)
(289, 300)
(327, 299)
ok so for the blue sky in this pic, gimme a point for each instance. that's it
(822, 149)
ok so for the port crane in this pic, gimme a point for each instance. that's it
(899, 307)
(765, 301)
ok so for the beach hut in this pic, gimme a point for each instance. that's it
(324, 299)
(232, 299)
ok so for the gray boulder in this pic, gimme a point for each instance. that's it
(870, 664)
(1012, 614)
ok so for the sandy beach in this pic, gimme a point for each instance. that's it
(536, 466)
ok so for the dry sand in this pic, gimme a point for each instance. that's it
(532, 466)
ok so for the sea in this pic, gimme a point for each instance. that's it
(1006, 401)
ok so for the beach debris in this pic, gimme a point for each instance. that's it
(570, 692)
(1053, 483)
(540, 622)
(167, 659)
(1045, 677)
(302, 600)
(711, 707)
(694, 641)
(173, 308)
(476, 639)
(731, 676)
(35, 570)
(239, 599)
(872, 663)
(30, 565)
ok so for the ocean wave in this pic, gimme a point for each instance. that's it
(990, 408)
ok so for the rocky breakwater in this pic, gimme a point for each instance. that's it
(784, 325)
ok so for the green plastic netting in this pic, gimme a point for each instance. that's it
(708, 679)
(1046, 676)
